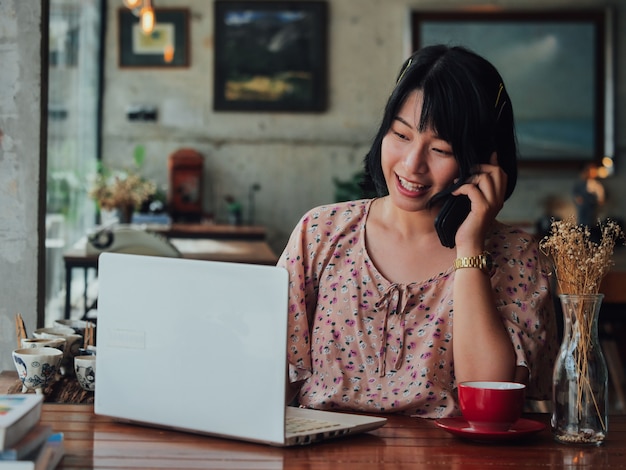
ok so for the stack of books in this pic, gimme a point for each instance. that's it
(26, 443)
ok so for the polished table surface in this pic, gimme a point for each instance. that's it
(93, 441)
(237, 251)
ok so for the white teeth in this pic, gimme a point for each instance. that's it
(410, 186)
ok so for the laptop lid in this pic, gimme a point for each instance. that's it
(192, 345)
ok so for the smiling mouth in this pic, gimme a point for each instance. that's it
(413, 187)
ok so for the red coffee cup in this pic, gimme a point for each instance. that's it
(491, 406)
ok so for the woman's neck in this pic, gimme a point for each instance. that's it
(404, 224)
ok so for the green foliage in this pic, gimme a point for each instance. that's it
(350, 189)
(139, 155)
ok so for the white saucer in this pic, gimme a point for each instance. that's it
(460, 427)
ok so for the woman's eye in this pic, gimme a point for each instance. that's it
(443, 151)
(400, 135)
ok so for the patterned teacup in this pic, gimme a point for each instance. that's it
(58, 343)
(73, 344)
(37, 367)
(85, 369)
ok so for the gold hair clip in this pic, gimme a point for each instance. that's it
(500, 112)
(500, 88)
(408, 64)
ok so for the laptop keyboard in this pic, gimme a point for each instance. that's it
(296, 425)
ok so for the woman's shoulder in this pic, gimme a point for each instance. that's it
(321, 228)
(508, 230)
(512, 237)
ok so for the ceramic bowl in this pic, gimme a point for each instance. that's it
(58, 343)
(491, 406)
(73, 342)
(85, 369)
(53, 332)
(78, 326)
(37, 367)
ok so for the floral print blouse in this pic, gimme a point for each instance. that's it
(359, 342)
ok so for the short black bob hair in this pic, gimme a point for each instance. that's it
(465, 103)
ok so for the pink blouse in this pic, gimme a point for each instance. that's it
(360, 342)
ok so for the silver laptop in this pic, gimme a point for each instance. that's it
(200, 346)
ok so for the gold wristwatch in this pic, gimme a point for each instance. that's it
(484, 262)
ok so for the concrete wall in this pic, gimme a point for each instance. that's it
(21, 163)
(294, 157)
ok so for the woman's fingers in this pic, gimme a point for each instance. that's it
(491, 180)
(486, 188)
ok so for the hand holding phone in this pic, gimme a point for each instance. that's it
(452, 214)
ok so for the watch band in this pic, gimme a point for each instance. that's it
(482, 262)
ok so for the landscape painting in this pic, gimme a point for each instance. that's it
(270, 56)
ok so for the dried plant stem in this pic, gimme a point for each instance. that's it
(582, 327)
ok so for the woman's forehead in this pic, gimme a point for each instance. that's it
(411, 110)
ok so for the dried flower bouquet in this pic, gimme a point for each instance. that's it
(123, 190)
(580, 263)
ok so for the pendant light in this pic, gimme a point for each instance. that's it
(146, 17)
(132, 4)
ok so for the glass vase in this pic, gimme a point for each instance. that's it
(580, 378)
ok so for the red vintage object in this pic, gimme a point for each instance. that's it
(185, 191)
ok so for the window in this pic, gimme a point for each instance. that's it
(74, 90)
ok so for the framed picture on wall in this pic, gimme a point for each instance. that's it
(557, 69)
(166, 46)
(270, 56)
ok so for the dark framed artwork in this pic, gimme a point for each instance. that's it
(270, 56)
(166, 46)
(557, 69)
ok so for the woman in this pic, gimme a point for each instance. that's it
(380, 320)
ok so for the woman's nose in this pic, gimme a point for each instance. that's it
(415, 160)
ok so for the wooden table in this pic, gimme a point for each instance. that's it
(98, 442)
(235, 251)
(208, 230)
(253, 251)
(403, 443)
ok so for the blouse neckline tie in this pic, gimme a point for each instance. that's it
(393, 304)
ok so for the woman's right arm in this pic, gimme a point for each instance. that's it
(300, 299)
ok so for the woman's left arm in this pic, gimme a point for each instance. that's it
(481, 345)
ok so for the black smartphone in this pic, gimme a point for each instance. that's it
(452, 214)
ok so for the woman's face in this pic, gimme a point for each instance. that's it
(417, 165)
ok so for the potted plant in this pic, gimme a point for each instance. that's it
(124, 190)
